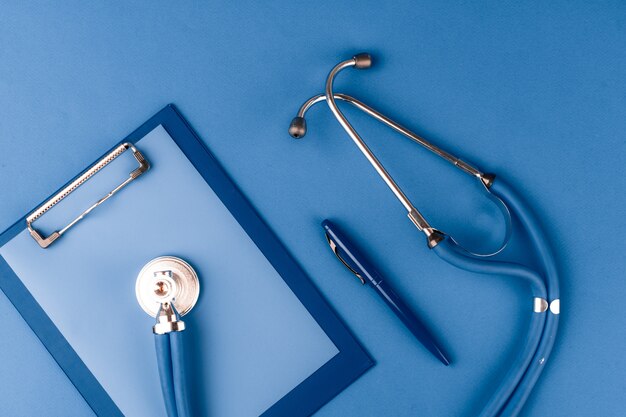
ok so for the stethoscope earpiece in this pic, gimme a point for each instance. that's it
(362, 60)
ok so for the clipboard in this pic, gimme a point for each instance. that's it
(263, 340)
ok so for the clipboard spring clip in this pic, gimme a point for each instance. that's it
(44, 242)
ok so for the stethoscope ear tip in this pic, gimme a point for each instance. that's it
(362, 60)
(297, 128)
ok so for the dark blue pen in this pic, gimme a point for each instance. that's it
(350, 256)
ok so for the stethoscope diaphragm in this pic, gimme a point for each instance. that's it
(167, 279)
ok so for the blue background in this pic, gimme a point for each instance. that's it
(533, 92)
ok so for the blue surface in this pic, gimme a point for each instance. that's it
(532, 92)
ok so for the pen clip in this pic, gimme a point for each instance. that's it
(333, 247)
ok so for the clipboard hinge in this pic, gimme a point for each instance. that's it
(44, 242)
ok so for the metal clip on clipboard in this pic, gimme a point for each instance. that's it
(44, 242)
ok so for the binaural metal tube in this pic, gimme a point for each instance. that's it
(457, 162)
(330, 99)
(298, 129)
(364, 61)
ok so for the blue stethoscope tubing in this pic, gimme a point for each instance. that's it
(548, 263)
(170, 352)
(513, 392)
(449, 251)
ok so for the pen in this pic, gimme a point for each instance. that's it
(350, 256)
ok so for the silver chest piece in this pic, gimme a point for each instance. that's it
(167, 280)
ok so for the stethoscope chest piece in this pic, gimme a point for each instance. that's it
(167, 279)
(167, 288)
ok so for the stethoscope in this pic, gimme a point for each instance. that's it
(518, 383)
(167, 288)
